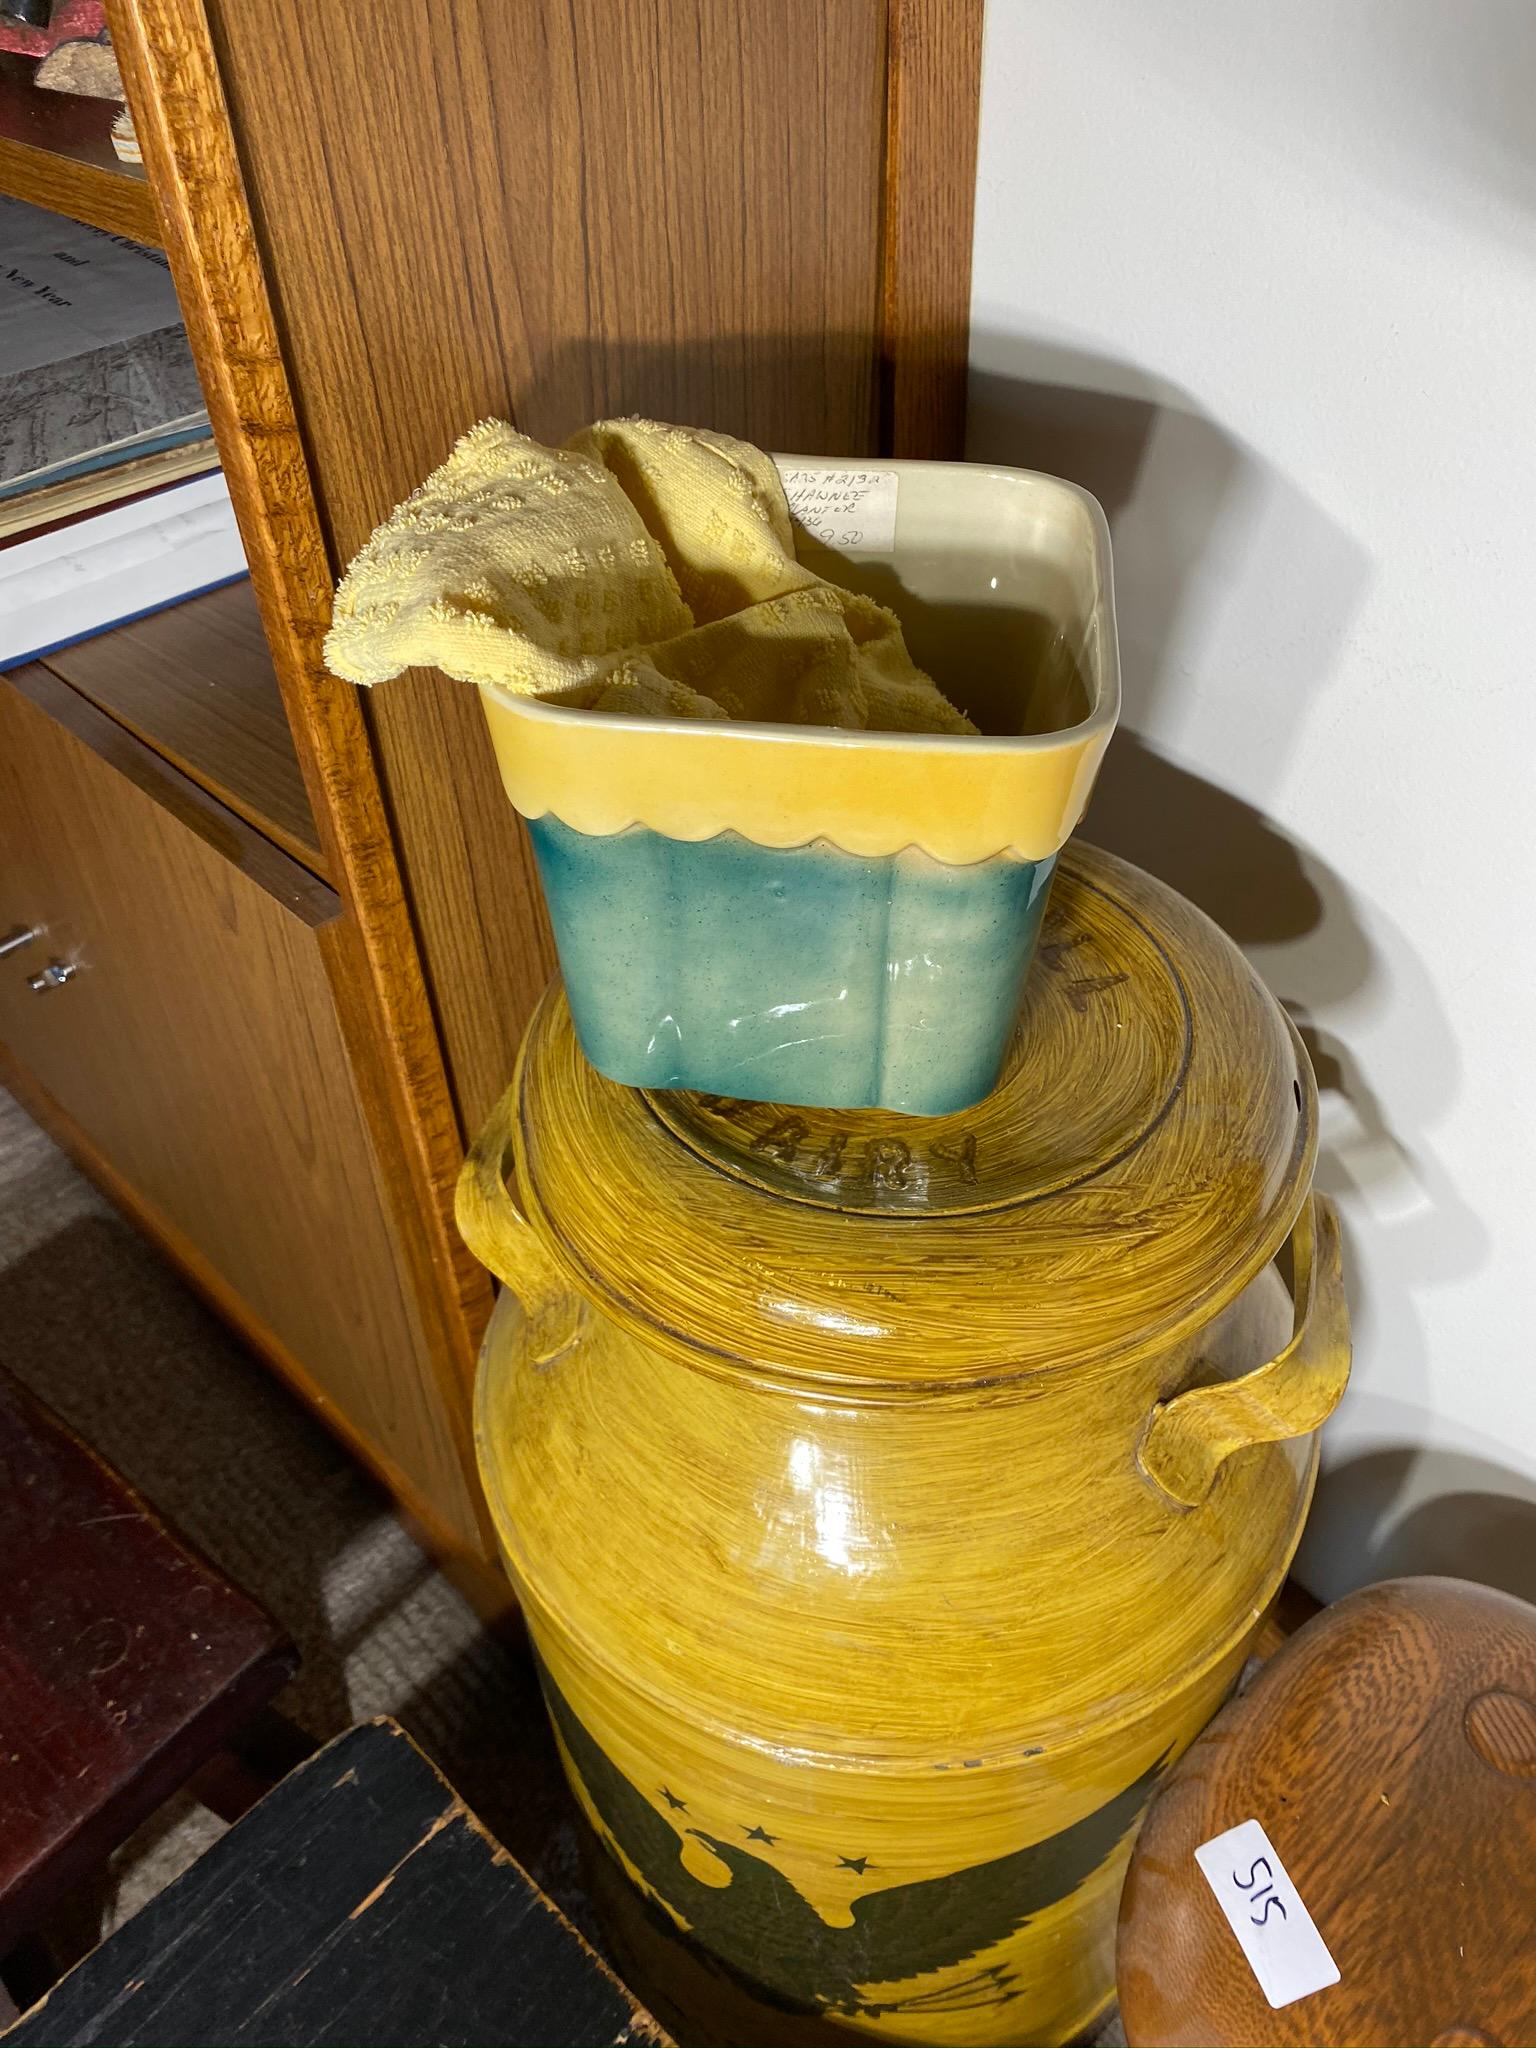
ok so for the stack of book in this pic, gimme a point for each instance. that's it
(111, 501)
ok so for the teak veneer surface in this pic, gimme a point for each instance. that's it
(197, 1046)
(382, 227)
(1389, 1753)
(195, 683)
(617, 206)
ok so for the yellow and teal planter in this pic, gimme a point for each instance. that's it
(833, 918)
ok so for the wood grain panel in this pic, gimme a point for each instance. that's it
(1389, 1754)
(195, 683)
(83, 192)
(552, 208)
(553, 211)
(934, 89)
(198, 1048)
(174, 87)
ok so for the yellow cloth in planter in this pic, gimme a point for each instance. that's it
(642, 568)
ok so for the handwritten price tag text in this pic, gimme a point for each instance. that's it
(852, 509)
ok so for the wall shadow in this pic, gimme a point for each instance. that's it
(799, 394)
(1235, 597)
(1413, 1508)
(1105, 441)
(1191, 513)
(1208, 538)
(1220, 852)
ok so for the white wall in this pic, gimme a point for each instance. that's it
(1265, 278)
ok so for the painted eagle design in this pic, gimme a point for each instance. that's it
(768, 1934)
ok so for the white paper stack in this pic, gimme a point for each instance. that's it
(115, 566)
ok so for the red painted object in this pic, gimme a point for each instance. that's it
(126, 1660)
(72, 21)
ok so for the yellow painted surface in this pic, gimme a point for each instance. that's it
(959, 799)
(1001, 580)
(865, 1634)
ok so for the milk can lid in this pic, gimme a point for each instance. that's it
(1144, 1155)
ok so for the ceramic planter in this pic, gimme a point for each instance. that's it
(891, 1500)
(839, 919)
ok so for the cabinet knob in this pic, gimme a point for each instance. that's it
(54, 975)
(18, 936)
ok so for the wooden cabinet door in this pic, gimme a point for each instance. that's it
(195, 1051)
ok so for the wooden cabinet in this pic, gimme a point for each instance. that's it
(195, 1046)
(309, 930)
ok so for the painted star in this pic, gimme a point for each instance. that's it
(759, 1835)
(858, 1863)
(677, 1805)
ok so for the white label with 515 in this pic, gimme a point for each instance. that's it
(1264, 1910)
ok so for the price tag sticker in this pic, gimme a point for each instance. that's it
(1264, 1910)
(851, 509)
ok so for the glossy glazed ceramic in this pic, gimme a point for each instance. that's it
(801, 974)
(928, 849)
(891, 1500)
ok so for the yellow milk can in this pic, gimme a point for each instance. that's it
(891, 1499)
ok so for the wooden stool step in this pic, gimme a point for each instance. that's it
(127, 1661)
(359, 1903)
(1376, 1784)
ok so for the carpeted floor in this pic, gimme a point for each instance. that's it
(102, 1328)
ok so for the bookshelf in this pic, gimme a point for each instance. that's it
(307, 926)
(195, 684)
(56, 152)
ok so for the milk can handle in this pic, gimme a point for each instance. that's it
(503, 1239)
(1189, 1438)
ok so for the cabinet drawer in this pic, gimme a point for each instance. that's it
(195, 1047)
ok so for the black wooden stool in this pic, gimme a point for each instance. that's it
(359, 1903)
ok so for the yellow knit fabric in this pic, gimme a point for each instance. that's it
(642, 568)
